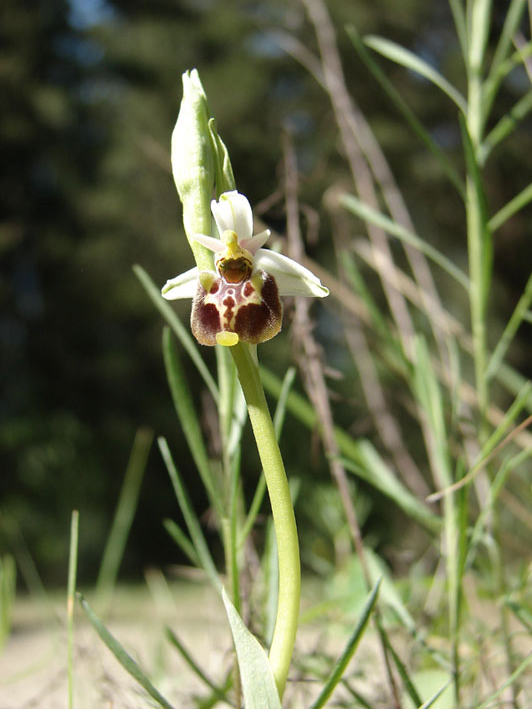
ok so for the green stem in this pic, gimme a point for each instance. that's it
(283, 515)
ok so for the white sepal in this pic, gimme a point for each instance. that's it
(292, 278)
(233, 213)
(183, 286)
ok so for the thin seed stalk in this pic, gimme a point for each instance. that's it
(283, 515)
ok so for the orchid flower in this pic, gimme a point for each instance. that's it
(240, 299)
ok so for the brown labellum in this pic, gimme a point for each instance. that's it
(249, 307)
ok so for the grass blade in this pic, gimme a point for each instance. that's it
(460, 24)
(191, 520)
(125, 511)
(187, 657)
(182, 333)
(127, 662)
(188, 418)
(507, 124)
(71, 591)
(511, 208)
(349, 650)
(182, 541)
(8, 579)
(367, 213)
(403, 673)
(509, 331)
(411, 61)
(489, 702)
(510, 27)
(405, 110)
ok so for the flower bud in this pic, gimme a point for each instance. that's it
(193, 164)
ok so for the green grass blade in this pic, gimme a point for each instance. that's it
(460, 25)
(191, 662)
(182, 541)
(367, 213)
(124, 514)
(188, 418)
(520, 402)
(490, 701)
(71, 592)
(191, 519)
(511, 328)
(356, 281)
(411, 61)
(403, 672)
(366, 463)
(494, 80)
(428, 394)
(349, 650)
(182, 333)
(213, 699)
(8, 583)
(507, 124)
(127, 662)
(497, 485)
(405, 110)
(357, 696)
(511, 25)
(511, 208)
(430, 702)
(522, 614)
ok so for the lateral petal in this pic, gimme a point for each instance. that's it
(292, 278)
(209, 242)
(255, 242)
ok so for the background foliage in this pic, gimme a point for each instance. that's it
(91, 92)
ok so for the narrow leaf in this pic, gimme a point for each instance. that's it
(489, 702)
(511, 208)
(127, 662)
(349, 650)
(187, 416)
(124, 513)
(405, 110)
(507, 124)
(511, 328)
(403, 672)
(191, 520)
(411, 61)
(511, 24)
(367, 213)
(181, 539)
(191, 662)
(258, 683)
(182, 333)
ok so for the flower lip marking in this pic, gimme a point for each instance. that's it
(239, 300)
